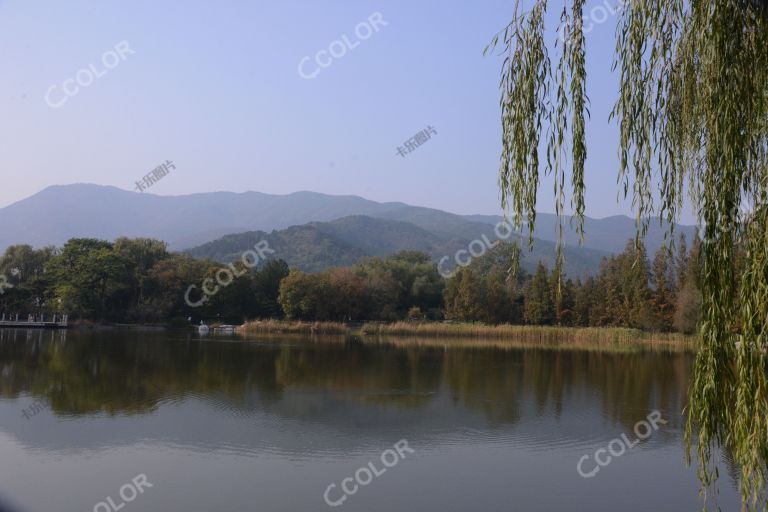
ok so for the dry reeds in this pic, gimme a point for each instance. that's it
(524, 333)
(292, 327)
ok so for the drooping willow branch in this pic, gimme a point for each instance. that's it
(692, 114)
(528, 105)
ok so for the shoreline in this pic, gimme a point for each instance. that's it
(504, 333)
(439, 333)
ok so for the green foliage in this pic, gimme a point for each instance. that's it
(472, 297)
(304, 247)
(139, 281)
(621, 295)
(131, 280)
(374, 289)
(692, 113)
(90, 280)
(687, 316)
(24, 269)
(166, 284)
(266, 283)
(528, 103)
(143, 254)
(539, 309)
(664, 288)
(343, 242)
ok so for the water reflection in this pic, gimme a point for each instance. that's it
(126, 373)
(494, 428)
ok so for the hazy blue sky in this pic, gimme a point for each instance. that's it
(215, 87)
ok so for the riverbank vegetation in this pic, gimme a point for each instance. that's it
(272, 326)
(692, 118)
(140, 281)
(628, 291)
(535, 333)
(132, 281)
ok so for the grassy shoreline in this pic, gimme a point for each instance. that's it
(528, 333)
(292, 327)
(497, 333)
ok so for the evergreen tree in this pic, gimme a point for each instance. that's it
(463, 296)
(664, 289)
(539, 309)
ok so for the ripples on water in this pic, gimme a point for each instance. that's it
(269, 425)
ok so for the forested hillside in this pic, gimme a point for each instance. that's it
(322, 245)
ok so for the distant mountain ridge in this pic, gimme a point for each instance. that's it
(58, 213)
(607, 234)
(320, 245)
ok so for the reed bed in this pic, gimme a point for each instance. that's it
(292, 327)
(524, 333)
(446, 343)
(482, 334)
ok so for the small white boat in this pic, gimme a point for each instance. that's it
(202, 328)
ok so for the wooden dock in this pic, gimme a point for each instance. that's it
(34, 322)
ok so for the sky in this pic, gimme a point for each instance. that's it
(216, 88)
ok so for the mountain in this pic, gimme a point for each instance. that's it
(345, 227)
(380, 237)
(320, 245)
(59, 213)
(607, 234)
(303, 247)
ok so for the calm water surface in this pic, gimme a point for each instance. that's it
(268, 425)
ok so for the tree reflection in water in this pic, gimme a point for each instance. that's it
(113, 372)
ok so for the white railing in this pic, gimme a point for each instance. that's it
(57, 320)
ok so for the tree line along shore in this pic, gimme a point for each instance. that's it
(138, 281)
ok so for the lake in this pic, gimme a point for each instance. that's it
(292, 424)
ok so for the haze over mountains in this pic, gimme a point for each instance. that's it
(311, 231)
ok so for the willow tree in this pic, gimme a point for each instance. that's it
(692, 112)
